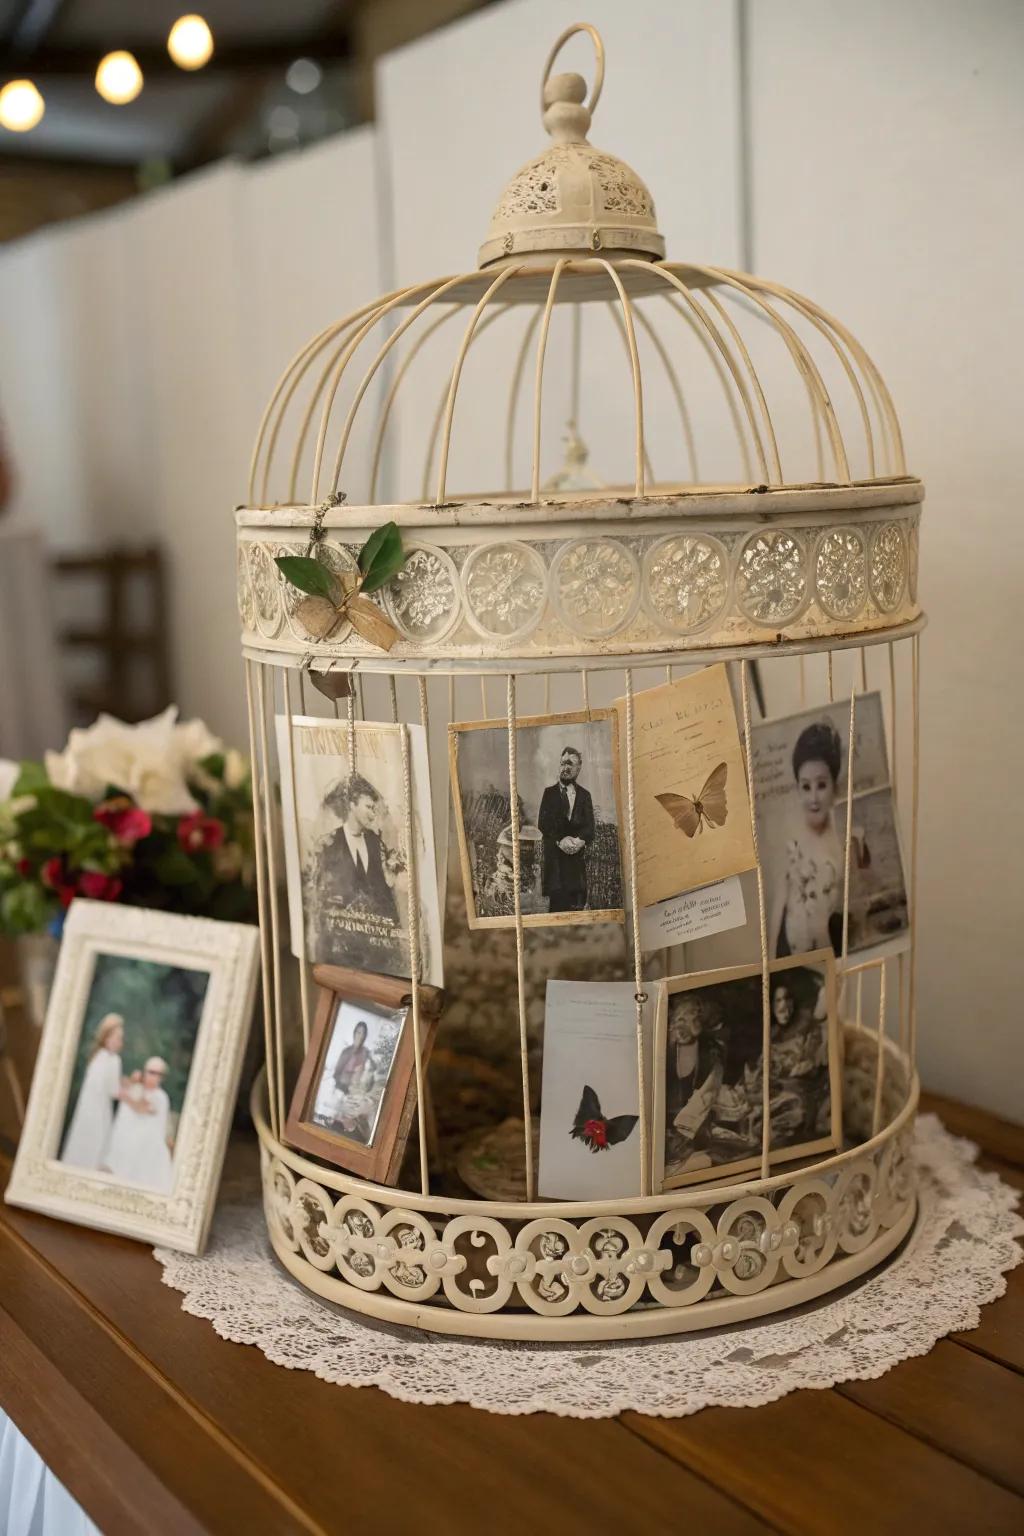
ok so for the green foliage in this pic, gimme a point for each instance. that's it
(50, 840)
(310, 576)
(24, 908)
(381, 557)
(31, 777)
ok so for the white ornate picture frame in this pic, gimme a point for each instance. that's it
(39, 1181)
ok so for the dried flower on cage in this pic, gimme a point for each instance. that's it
(333, 598)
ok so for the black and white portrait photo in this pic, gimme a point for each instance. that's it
(346, 846)
(569, 817)
(801, 783)
(709, 1056)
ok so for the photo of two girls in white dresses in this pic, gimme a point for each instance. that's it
(131, 1070)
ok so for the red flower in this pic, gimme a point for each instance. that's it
(52, 873)
(597, 1132)
(197, 832)
(97, 886)
(125, 820)
(24, 866)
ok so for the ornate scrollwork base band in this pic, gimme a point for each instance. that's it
(671, 1263)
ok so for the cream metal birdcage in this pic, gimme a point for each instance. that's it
(562, 591)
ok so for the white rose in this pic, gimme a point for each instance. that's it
(150, 761)
(193, 741)
(236, 768)
(144, 761)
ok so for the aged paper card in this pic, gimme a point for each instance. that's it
(693, 915)
(692, 809)
(348, 864)
(590, 1096)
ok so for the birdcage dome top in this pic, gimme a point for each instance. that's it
(573, 197)
(587, 446)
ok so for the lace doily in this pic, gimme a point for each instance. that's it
(953, 1264)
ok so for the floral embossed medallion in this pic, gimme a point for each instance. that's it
(423, 599)
(887, 573)
(840, 572)
(687, 581)
(771, 578)
(596, 584)
(505, 589)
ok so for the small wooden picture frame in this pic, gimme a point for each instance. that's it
(355, 1098)
(707, 1064)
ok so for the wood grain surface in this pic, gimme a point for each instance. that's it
(159, 1426)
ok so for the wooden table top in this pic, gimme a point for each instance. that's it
(158, 1426)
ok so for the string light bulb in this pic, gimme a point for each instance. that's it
(21, 106)
(119, 78)
(190, 42)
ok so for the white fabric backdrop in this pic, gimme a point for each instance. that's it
(866, 155)
(32, 1501)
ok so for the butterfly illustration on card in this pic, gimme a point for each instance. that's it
(594, 1129)
(707, 808)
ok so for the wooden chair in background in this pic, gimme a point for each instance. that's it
(119, 659)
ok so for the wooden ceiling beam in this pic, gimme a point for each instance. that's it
(237, 59)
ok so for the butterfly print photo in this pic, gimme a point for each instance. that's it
(690, 775)
(590, 1093)
(594, 1129)
(709, 808)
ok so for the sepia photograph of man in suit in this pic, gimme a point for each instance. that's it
(350, 863)
(566, 823)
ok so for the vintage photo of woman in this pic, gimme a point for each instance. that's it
(711, 1054)
(352, 879)
(811, 900)
(132, 1069)
(346, 846)
(88, 1134)
(801, 786)
(355, 1070)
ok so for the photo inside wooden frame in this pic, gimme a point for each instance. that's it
(355, 1099)
(709, 1064)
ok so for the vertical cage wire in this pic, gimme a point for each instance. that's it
(706, 315)
(875, 996)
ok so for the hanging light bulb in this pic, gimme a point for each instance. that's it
(190, 42)
(119, 78)
(21, 106)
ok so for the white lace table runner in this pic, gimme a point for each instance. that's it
(953, 1264)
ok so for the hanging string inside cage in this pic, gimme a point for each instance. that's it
(639, 994)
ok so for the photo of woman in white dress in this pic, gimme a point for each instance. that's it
(139, 1152)
(355, 1070)
(812, 911)
(92, 1120)
(132, 1070)
(804, 779)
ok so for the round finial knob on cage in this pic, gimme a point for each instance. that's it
(565, 116)
(573, 199)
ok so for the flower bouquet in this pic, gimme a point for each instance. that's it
(156, 815)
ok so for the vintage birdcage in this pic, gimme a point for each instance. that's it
(797, 567)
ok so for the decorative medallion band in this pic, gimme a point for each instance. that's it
(625, 586)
